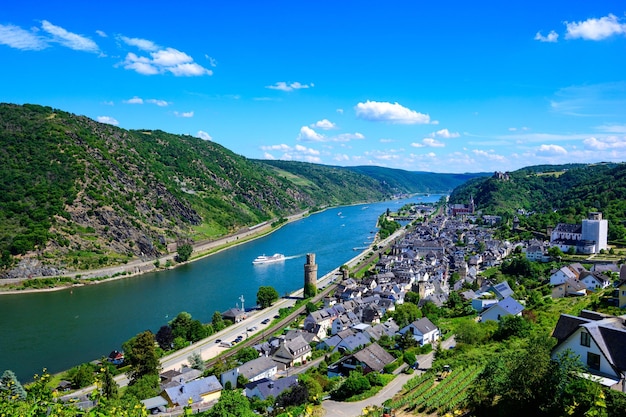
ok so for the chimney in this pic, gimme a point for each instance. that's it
(271, 384)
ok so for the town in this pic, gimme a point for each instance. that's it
(438, 261)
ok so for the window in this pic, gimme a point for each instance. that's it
(593, 361)
(585, 340)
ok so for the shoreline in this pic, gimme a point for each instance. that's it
(138, 267)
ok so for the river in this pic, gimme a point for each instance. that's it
(58, 330)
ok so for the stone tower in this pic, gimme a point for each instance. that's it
(310, 276)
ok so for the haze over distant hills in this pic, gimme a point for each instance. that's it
(80, 194)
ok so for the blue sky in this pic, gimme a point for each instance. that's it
(444, 87)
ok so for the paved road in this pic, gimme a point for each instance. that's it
(344, 409)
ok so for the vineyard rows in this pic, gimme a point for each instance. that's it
(422, 394)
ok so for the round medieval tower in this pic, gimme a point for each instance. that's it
(310, 276)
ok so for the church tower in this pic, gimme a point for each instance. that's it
(310, 276)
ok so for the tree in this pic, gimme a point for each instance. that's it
(10, 387)
(181, 325)
(145, 387)
(247, 354)
(165, 337)
(83, 376)
(354, 384)
(196, 361)
(405, 314)
(109, 386)
(555, 252)
(509, 326)
(184, 252)
(294, 396)
(232, 403)
(406, 340)
(218, 321)
(140, 353)
(266, 296)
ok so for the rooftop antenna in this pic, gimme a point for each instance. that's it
(242, 300)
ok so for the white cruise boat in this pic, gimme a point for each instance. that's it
(277, 257)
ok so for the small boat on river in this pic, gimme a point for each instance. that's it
(277, 257)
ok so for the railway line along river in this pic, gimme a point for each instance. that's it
(60, 329)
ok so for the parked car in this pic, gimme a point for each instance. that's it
(218, 340)
(265, 321)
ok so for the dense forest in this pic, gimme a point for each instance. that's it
(76, 194)
(542, 196)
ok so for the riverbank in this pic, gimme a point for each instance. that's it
(139, 267)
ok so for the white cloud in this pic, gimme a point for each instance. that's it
(134, 100)
(595, 29)
(102, 34)
(446, 134)
(346, 137)
(603, 144)
(612, 128)
(69, 39)
(309, 135)
(184, 114)
(551, 150)
(341, 157)
(283, 86)
(212, 61)
(340, 111)
(428, 142)
(143, 44)
(18, 38)
(551, 37)
(385, 140)
(490, 155)
(295, 153)
(390, 112)
(324, 124)
(203, 135)
(160, 103)
(161, 60)
(108, 120)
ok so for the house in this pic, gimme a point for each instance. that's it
(254, 370)
(155, 405)
(371, 358)
(344, 321)
(173, 378)
(536, 251)
(353, 342)
(506, 307)
(563, 274)
(203, 390)
(570, 287)
(481, 304)
(319, 322)
(234, 314)
(423, 331)
(264, 388)
(595, 281)
(501, 290)
(116, 357)
(599, 340)
(292, 352)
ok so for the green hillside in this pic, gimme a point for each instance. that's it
(77, 194)
(550, 194)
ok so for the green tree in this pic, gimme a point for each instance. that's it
(353, 385)
(84, 376)
(108, 384)
(218, 321)
(140, 353)
(196, 361)
(181, 325)
(509, 326)
(145, 387)
(165, 337)
(10, 387)
(405, 314)
(232, 403)
(184, 252)
(266, 296)
(247, 354)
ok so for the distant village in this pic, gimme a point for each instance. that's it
(354, 318)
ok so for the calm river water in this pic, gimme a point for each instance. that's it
(58, 330)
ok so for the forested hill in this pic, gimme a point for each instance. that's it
(552, 194)
(78, 194)
(397, 181)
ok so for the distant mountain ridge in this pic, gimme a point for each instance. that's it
(77, 194)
